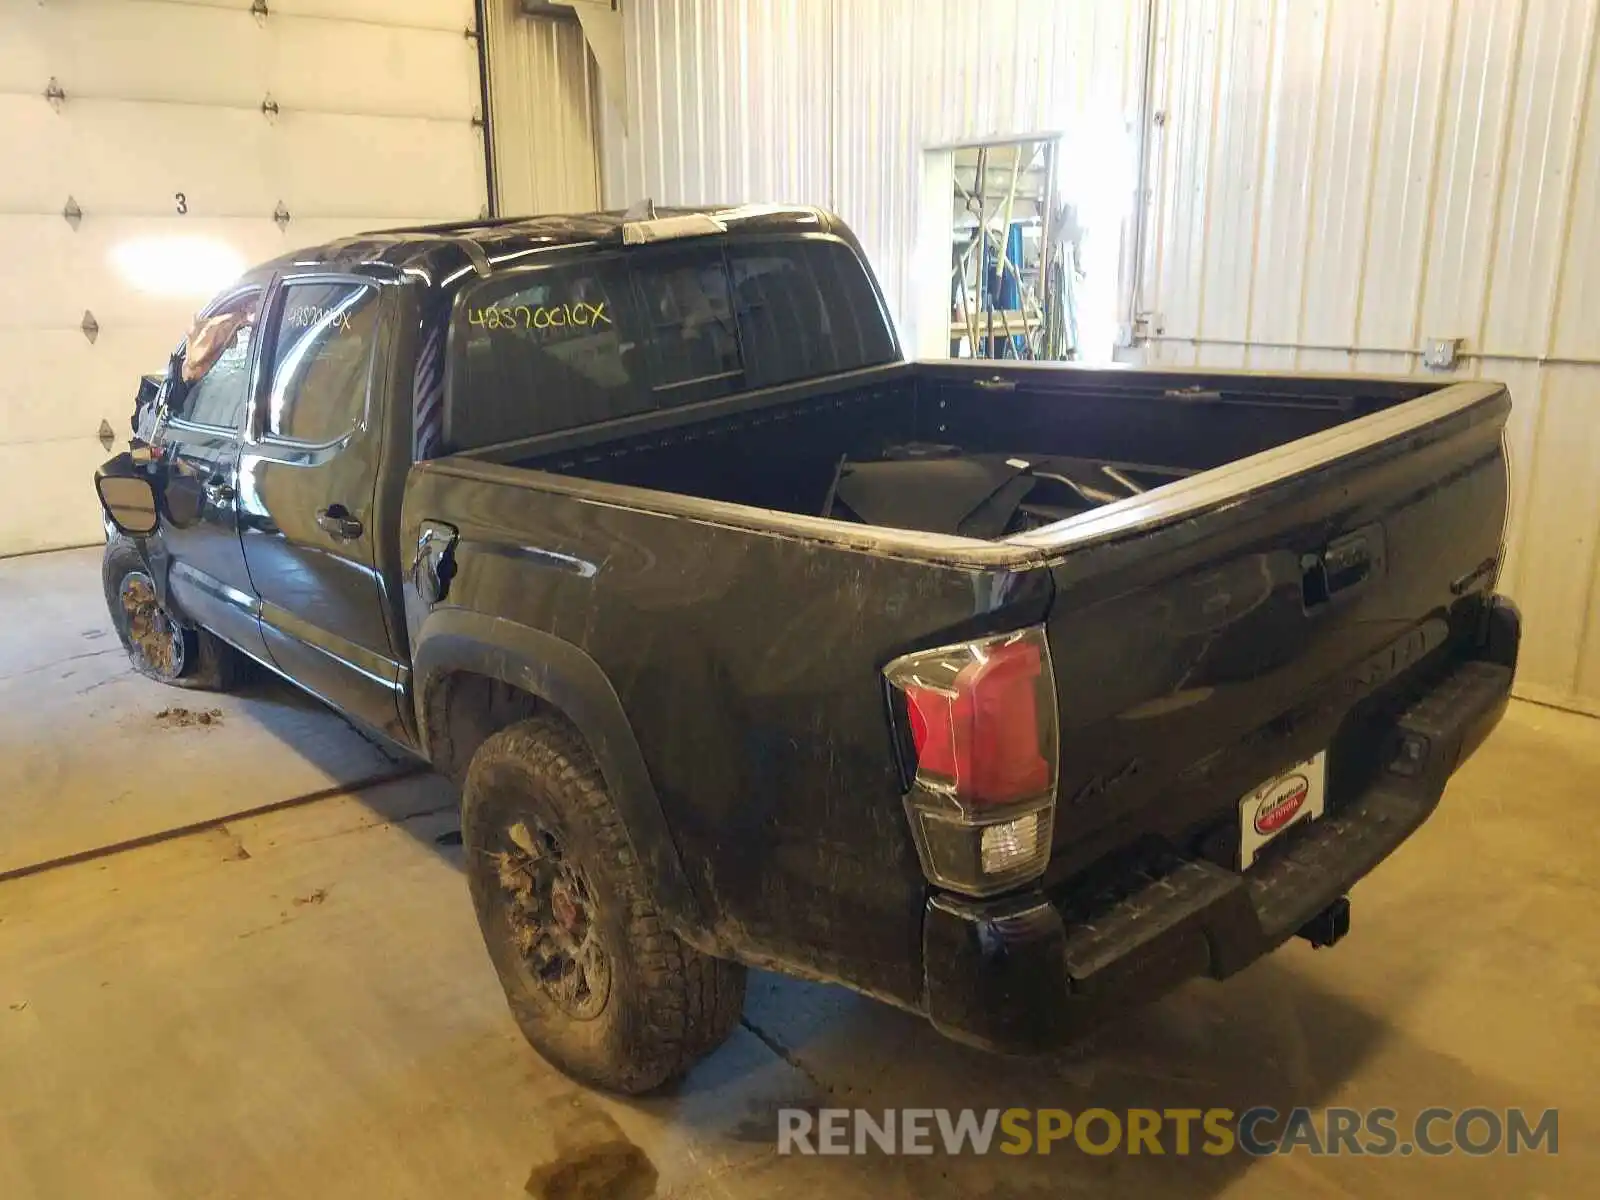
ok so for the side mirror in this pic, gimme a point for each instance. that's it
(128, 495)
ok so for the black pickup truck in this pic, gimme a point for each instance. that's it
(1010, 694)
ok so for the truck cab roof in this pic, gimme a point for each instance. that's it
(445, 252)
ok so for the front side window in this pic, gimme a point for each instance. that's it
(214, 382)
(321, 360)
(578, 344)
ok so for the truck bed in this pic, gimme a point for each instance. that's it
(1325, 546)
(981, 450)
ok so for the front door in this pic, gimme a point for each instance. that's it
(307, 481)
(198, 439)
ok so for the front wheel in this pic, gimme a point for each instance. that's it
(157, 646)
(594, 978)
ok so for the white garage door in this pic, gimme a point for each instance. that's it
(179, 130)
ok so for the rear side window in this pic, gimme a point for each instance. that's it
(321, 360)
(578, 344)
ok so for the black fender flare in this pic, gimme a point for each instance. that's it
(561, 675)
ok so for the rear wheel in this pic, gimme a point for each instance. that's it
(157, 645)
(597, 983)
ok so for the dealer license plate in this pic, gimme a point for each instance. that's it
(1299, 794)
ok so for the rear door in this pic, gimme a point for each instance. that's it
(307, 483)
(199, 440)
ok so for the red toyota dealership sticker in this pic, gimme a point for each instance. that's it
(1279, 806)
(1299, 794)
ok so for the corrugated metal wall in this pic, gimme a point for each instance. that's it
(1336, 181)
(832, 101)
(543, 96)
(1331, 183)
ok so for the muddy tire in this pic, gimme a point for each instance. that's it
(157, 645)
(597, 983)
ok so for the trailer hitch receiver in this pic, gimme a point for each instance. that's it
(1329, 925)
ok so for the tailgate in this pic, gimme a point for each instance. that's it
(1201, 656)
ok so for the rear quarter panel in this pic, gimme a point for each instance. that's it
(749, 667)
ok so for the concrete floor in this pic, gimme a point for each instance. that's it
(82, 729)
(296, 1003)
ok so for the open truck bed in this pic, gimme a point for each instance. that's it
(988, 450)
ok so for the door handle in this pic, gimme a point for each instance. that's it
(337, 523)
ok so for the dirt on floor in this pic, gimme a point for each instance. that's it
(587, 1156)
(178, 717)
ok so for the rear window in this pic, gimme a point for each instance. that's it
(577, 344)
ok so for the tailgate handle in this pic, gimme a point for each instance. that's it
(1345, 564)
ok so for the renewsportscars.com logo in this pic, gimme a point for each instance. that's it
(1377, 1132)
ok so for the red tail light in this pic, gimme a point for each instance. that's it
(982, 722)
(981, 735)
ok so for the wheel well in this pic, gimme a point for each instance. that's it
(463, 709)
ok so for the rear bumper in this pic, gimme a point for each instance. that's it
(1018, 975)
